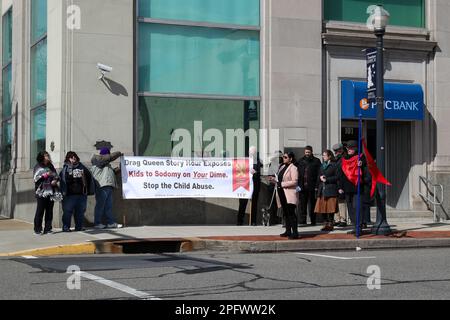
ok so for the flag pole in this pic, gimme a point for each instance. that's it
(358, 201)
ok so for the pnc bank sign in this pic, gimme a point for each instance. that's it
(391, 105)
(402, 101)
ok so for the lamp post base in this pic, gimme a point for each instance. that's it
(381, 228)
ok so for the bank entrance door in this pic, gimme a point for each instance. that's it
(398, 156)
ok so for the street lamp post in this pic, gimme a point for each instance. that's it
(380, 18)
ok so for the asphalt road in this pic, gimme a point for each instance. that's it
(404, 274)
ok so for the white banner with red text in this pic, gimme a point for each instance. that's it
(162, 178)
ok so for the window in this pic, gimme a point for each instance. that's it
(6, 123)
(159, 118)
(194, 60)
(407, 13)
(239, 12)
(38, 127)
(198, 61)
(39, 73)
(38, 76)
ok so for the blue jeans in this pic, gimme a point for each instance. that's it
(74, 204)
(103, 205)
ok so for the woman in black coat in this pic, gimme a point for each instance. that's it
(327, 191)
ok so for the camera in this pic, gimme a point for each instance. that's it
(103, 69)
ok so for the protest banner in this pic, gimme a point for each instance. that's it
(159, 178)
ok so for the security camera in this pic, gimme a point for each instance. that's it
(103, 69)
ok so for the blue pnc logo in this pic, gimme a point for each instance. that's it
(401, 101)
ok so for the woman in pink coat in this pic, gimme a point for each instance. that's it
(287, 198)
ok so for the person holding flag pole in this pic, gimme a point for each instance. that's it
(353, 181)
(358, 176)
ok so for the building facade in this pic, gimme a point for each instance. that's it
(292, 66)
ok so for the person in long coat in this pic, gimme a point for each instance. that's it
(286, 183)
(327, 192)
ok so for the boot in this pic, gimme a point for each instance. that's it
(287, 221)
(293, 226)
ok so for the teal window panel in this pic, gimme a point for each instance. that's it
(160, 117)
(6, 145)
(407, 13)
(39, 73)
(196, 60)
(240, 12)
(38, 130)
(7, 91)
(7, 37)
(38, 19)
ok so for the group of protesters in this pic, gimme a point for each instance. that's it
(310, 187)
(72, 186)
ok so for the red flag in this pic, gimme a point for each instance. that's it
(350, 169)
(377, 177)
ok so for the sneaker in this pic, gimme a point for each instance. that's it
(65, 229)
(37, 233)
(114, 226)
(100, 226)
(47, 232)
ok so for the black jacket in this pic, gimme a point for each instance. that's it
(348, 186)
(328, 188)
(257, 175)
(88, 185)
(309, 167)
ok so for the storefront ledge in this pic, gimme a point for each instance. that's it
(366, 41)
(358, 35)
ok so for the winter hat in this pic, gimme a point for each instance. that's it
(338, 146)
(352, 144)
(104, 151)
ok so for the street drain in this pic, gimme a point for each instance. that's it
(152, 246)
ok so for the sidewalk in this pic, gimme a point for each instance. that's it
(17, 238)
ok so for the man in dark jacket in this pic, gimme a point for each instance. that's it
(350, 190)
(308, 169)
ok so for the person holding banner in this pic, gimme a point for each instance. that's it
(256, 172)
(105, 181)
(286, 182)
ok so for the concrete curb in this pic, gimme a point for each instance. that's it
(110, 246)
(70, 249)
(197, 244)
(316, 245)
